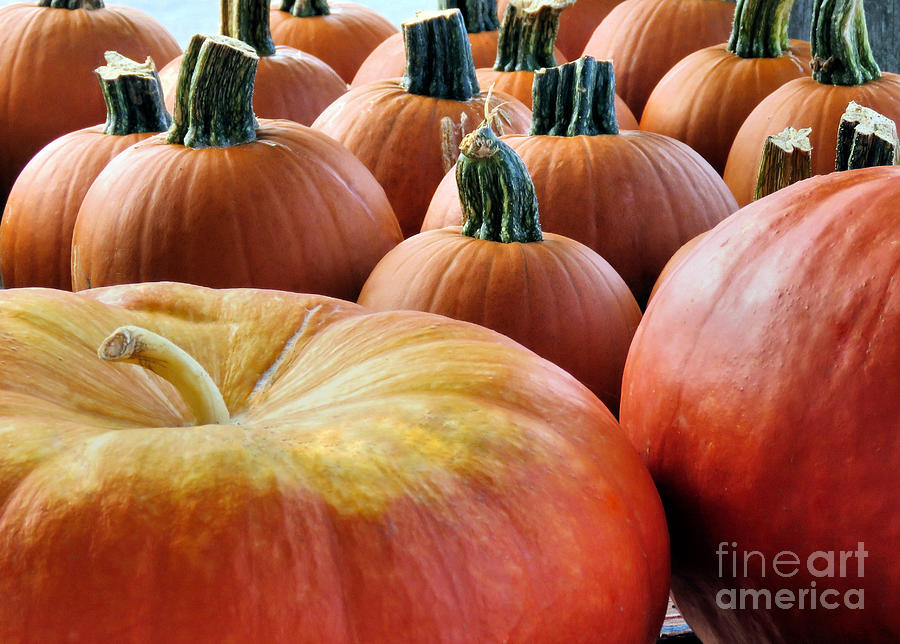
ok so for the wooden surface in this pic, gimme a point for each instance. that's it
(882, 18)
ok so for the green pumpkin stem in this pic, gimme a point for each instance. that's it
(439, 56)
(786, 159)
(305, 8)
(495, 190)
(72, 4)
(866, 139)
(528, 35)
(575, 99)
(760, 28)
(214, 94)
(248, 20)
(133, 95)
(479, 15)
(841, 54)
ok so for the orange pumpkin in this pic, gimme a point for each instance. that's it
(226, 201)
(342, 34)
(47, 59)
(705, 97)
(36, 229)
(633, 197)
(341, 476)
(553, 294)
(398, 128)
(290, 84)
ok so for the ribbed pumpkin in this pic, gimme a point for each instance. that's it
(645, 38)
(290, 84)
(36, 229)
(705, 97)
(550, 293)
(399, 127)
(342, 34)
(388, 60)
(633, 197)
(762, 389)
(843, 71)
(48, 53)
(342, 476)
(226, 201)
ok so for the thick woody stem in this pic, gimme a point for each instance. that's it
(866, 139)
(528, 35)
(133, 95)
(575, 99)
(71, 4)
(248, 20)
(760, 28)
(841, 54)
(439, 56)
(786, 159)
(479, 15)
(155, 353)
(305, 8)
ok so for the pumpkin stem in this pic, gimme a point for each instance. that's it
(575, 99)
(495, 190)
(760, 28)
(479, 15)
(133, 95)
(439, 56)
(786, 159)
(248, 20)
(155, 353)
(528, 35)
(866, 139)
(71, 4)
(305, 8)
(214, 94)
(841, 54)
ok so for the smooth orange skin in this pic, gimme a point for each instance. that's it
(388, 60)
(705, 97)
(291, 211)
(393, 477)
(674, 261)
(557, 297)
(633, 197)
(47, 82)
(37, 224)
(343, 38)
(763, 392)
(290, 84)
(800, 104)
(645, 38)
(397, 135)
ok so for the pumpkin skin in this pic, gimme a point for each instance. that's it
(342, 39)
(645, 38)
(804, 103)
(705, 97)
(762, 390)
(556, 297)
(292, 210)
(62, 48)
(642, 196)
(290, 85)
(391, 479)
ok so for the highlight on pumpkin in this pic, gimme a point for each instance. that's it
(866, 139)
(786, 159)
(136, 345)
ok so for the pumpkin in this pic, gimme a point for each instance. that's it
(342, 34)
(645, 38)
(762, 390)
(388, 60)
(633, 197)
(224, 200)
(48, 52)
(311, 472)
(705, 97)
(36, 229)
(843, 71)
(576, 23)
(289, 84)
(550, 293)
(438, 94)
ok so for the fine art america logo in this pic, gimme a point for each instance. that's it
(824, 565)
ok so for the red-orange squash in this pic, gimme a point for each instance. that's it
(375, 477)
